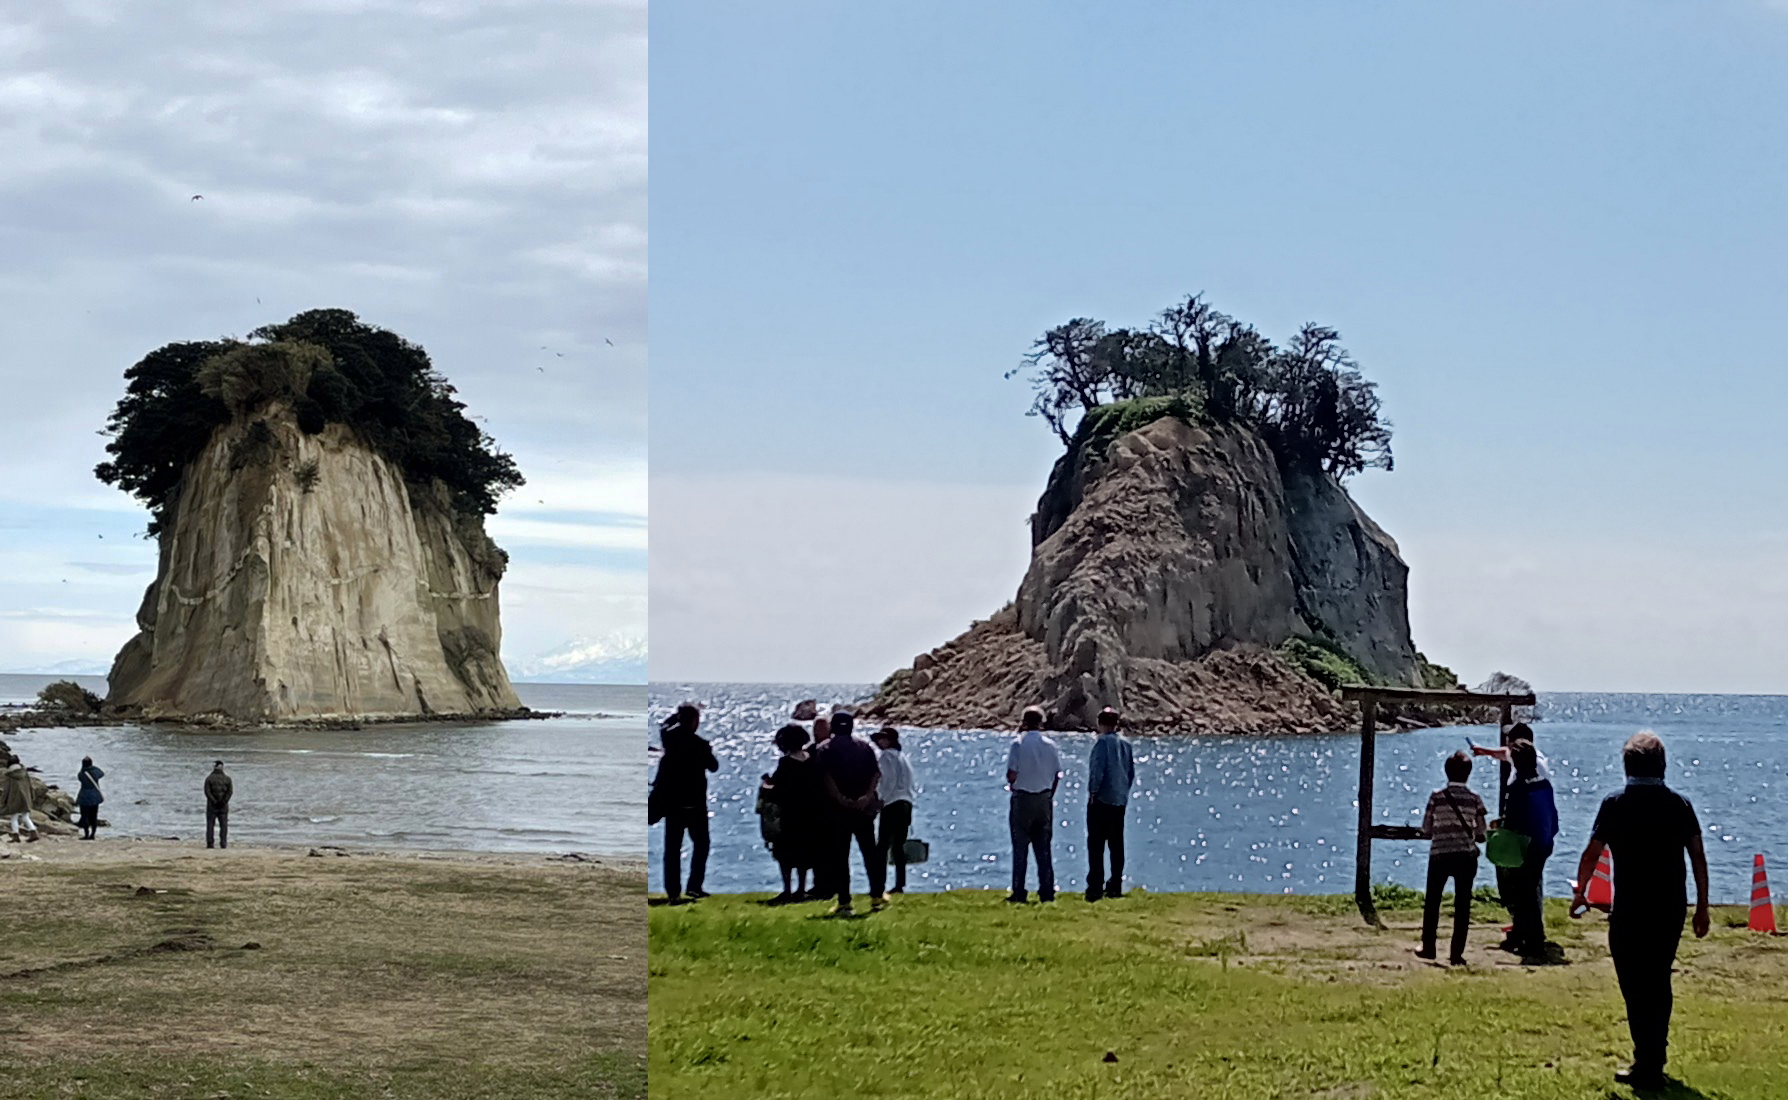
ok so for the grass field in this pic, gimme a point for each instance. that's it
(1179, 995)
(127, 971)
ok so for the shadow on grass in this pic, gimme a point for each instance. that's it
(1673, 1090)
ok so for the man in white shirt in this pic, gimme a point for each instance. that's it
(1033, 771)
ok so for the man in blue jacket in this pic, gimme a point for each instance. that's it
(1111, 773)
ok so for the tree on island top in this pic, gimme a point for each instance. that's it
(1308, 399)
(332, 368)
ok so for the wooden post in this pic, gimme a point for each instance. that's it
(1362, 868)
(1503, 772)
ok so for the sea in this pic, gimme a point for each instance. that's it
(1263, 814)
(575, 783)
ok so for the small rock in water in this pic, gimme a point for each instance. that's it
(806, 710)
(251, 945)
(1111, 1056)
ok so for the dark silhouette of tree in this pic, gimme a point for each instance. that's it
(331, 368)
(1308, 400)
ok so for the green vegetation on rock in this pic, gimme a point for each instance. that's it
(68, 697)
(1324, 662)
(331, 368)
(1104, 424)
(1437, 677)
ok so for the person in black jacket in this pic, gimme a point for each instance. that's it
(1650, 829)
(1532, 813)
(799, 795)
(680, 793)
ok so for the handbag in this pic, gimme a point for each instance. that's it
(769, 820)
(1506, 848)
(916, 851)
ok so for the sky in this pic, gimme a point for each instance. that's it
(1553, 235)
(471, 175)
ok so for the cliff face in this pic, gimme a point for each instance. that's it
(301, 577)
(1163, 573)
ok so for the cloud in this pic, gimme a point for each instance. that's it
(471, 175)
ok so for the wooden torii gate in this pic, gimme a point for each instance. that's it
(1369, 698)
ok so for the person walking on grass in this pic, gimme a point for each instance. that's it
(680, 795)
(1454, 826)
(218, 790)
(1033, 772)
(1531, 813)
(1649, 828)
(896, 791)
(15, 798)
(1111, 772)
(796, 791)
(89, 798)
(852, 776)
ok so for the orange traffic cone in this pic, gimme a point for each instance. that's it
(1763, 912)
(1601, 884)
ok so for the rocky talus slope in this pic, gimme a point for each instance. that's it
(302, 577)
(1168, 565)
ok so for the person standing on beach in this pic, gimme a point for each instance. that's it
(1454, 826)
(798, 795)
(218, 790)
(1649, 828)
(1111, 772)
(896, 791)
(1033, 771)
(15, 798)
(852, 776)
(822, 886)
(1532, 813)
(680, 791)
(90, 797)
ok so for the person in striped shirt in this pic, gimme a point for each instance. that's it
(1454, 826)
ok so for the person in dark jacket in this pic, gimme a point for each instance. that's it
(1531, 812)
(681, 792)
(851, 773)
(218, 790)
(1650, 829)
(89, 798)
(798, 794)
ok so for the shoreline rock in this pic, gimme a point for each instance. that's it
(302, 576)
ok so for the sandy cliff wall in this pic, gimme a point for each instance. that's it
(282, 595)
(1165, 569)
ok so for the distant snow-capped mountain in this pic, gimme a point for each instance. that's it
(616, 658)
(77, 667)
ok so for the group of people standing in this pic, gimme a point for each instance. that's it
(16, 800)
(1648, 828)
(830, 792)
(832, 789)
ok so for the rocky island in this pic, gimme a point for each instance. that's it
(319, 497)
(1196, 560)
